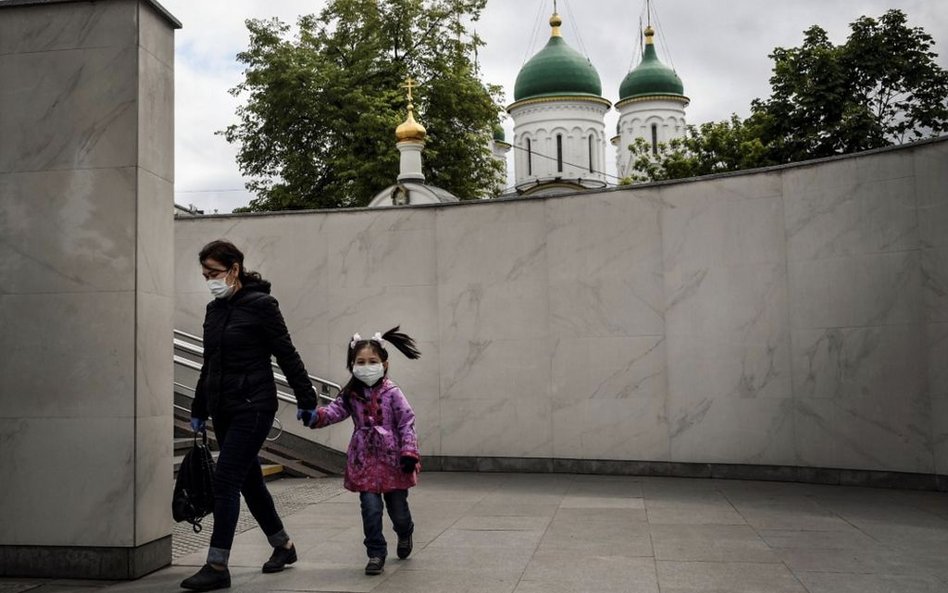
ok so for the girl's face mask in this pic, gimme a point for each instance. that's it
(368, 373)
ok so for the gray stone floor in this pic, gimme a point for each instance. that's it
(506, 533)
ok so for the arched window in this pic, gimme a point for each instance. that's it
(559, 153)
(654, 138)
(529, 157)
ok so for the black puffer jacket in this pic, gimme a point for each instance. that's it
(240, 335)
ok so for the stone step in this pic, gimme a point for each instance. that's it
(271, 471)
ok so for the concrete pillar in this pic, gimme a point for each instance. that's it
(86, 287)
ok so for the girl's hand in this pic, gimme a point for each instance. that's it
(408, 463)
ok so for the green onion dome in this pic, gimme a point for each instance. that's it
(650, 77)
(557, 69)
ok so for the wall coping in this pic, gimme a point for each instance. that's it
(161, 9)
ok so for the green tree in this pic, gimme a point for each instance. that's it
(881, 87)
(712, 147)
(317, 129)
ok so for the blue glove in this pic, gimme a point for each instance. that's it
(308, 417)
(198, 425)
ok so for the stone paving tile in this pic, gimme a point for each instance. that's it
(695, 513)
(873, 560)
(726, 577)
(476, 561)
(408, 580)
(847, 539)
(458, 539)
(710, 543)
(563, 571)
(583, 536)
(828, 582)
(503, 523)
(601, 502)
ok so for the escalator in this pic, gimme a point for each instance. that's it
(282, 453)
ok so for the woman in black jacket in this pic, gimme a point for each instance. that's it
(243, 327)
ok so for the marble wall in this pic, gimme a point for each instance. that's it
(794, 316)
(86, 256)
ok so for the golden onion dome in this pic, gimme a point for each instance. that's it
(410, 129)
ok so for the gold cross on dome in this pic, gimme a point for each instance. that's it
(409, 84)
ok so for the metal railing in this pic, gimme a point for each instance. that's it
(186, 345)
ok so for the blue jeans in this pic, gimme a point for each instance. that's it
(240, 436)
(397, 504)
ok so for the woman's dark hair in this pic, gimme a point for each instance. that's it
(403, 342)
(227, 254)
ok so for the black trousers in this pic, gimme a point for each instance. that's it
(240, 436)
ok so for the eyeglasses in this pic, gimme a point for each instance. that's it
(213, 273)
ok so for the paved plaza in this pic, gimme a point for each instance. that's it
(530, 533)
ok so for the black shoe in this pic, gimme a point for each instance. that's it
(403, 549)
(280, 558)
(375, 566)
(207, 579)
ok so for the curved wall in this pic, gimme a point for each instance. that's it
(793, 316)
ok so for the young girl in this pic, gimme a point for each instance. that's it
(383, 460)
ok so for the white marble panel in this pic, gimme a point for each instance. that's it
(934, 264)
(82, 113)
(154, 355)
(940, 433)
(883, 166)
(609, 368)
(937, 351)
(707, 429)
(495, 369)
(841, 363)
(721, 368)
(748, 302)
(155, 228)
(93, 456)
(931, 174)
(155, 114)
(56, 27)
(155, 34)
(85, 345)
(609, 398)
(515, 426)
(632, 429)
(153, 480)
(492, 244)
(87, 240)
(378, 309)
(604, 254)
(892, 432)
(726, 222)
(847, 220)
(863, 290)
(382, 248)
(806, 179)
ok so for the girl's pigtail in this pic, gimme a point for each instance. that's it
(404, 343)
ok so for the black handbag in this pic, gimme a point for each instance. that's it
(193, 497)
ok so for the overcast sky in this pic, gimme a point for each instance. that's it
(718, 47)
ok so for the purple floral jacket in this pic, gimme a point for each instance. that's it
(384, 431)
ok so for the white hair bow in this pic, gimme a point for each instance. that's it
(377, 338)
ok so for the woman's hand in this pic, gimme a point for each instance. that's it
(308, 417)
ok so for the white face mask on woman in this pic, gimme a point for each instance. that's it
(219, 287)
(368, 373)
